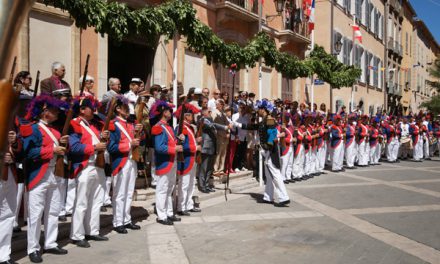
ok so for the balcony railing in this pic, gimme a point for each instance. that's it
(249, 5)
(297, 26)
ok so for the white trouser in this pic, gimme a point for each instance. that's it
(186, 190)
(418, 149)
(298, 164)
(89, 192)
(328, 157)
(363, 154)
(274, 181)
(8, 204)
(62, 188)
(108, 185)
(123, 189)
(71, 196)
(338, 156)
(375, 153)
(425, 148)
(438, 146)
(393, 149)
(154, 177)
(314, 160)
(350, 154)
(286, 162)
(164, 190)
(308, 161)
(21, 197)
(44, 201)
(320, 158)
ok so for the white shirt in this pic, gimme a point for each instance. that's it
(242, 120)
(404, 129)
(132, 98)
(211, 104)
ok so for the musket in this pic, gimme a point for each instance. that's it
(37, 83)
(100, 159)
(282, 130)
(180, 159)
(136, 155)
(11, 75)
(59, 166)
(86, 70)
(5, 168)
(199, 134)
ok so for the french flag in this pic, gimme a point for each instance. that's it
(311, 15)
(357, 32)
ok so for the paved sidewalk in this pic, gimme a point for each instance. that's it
(379, 214)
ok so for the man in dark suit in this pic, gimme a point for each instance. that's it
(55, 82)
(209, 149)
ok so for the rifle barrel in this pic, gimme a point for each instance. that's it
(37, 83)
(86, 70)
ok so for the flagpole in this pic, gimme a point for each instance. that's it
(352, 63)
(312, 82)
(260, 88)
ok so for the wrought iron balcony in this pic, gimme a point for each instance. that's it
(295, 29)
(245, 10)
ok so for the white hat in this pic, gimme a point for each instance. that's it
(198, 91)
(88, 78)
(136, 80)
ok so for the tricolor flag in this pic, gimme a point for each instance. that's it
(311, 15)
(356, 31)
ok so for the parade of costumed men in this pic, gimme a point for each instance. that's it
(108, 146)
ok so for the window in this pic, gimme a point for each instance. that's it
(286, 89)
(380, 74)
(406, 43)
(376, 22)
(359, 52)
(347, 5)
(224, 80)
(358, 9)
(380, 26)
(372, 18)
(376, 72)
(367, 67)
(367, 16)
(347, 51)
(339, 104)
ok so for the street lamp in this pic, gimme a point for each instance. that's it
(279, 5)
(337, 47)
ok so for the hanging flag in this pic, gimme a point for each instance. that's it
(370, 67)
(356, 31)
(382, 69)
(311, 15)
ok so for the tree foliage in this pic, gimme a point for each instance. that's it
(119, 21)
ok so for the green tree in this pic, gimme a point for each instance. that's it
(433, 105)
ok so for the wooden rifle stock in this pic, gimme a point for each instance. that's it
(86, 70)
(136, 155)
(100, 159)
(5, 168)
(59, 167)
(37, 83)
(199, 134)
(283, 130)
(8, 102)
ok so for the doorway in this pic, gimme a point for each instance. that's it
(130, 59)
